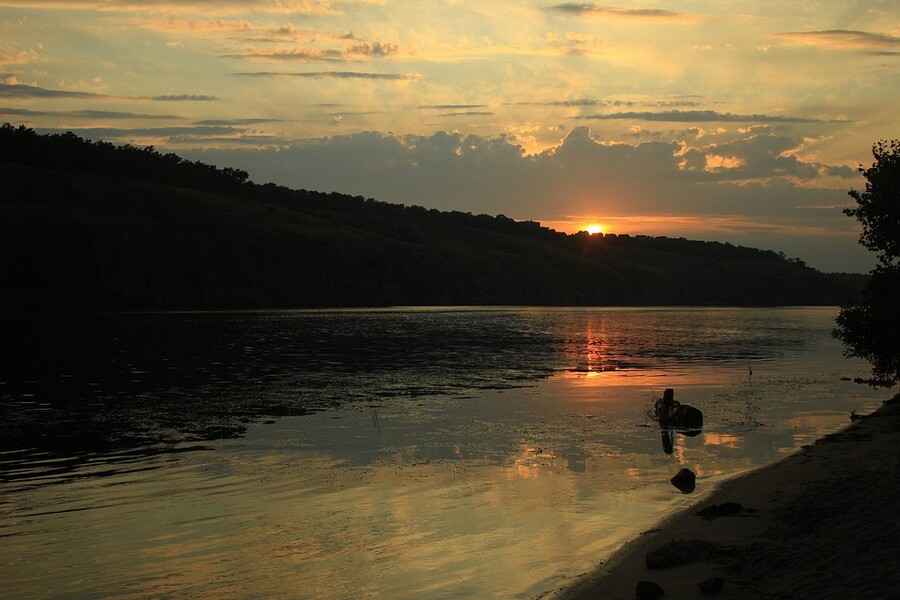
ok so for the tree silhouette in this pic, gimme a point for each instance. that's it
(68, 152)
(871, 329)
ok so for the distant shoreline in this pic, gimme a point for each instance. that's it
(820, 523)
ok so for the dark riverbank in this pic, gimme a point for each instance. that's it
(819, 524)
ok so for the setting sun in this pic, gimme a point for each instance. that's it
(594, 229)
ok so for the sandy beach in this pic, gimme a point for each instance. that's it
(821, 523)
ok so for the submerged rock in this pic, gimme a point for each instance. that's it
(676, 552)
(713, 585)
(721, 510)
(685, 480)
(649, 590)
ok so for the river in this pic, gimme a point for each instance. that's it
(398, 453)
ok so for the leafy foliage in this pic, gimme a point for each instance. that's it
(871, 328)
(879, 204)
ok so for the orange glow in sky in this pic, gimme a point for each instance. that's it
(594, 228)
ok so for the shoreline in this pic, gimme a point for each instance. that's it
(819, 523)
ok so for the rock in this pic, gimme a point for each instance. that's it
(671, 413)
(676, 552)
(720, 510)
(648, 590)
(686, 417)
(713, 585)
(685, 481)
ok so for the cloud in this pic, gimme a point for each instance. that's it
(451, 106)
(353, 52)
(289, 54)
(336, 75)
(21, 90)
(248, 39)
(704, 116)
(135, 133)
(569, 178)
(243, 140)
(377, 50)
(572, 8)
(18, 57)
(756, 156)
(589, 102)
(843, 38)
(467, 113)
(174, 24)
(180, 98)
(231, 122)
(307, 7)
(85, 114)
(576, 102)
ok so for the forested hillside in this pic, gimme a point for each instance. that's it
(93, 225)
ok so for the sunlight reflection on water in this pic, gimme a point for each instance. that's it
(437, 474)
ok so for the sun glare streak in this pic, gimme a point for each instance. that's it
(594, 229)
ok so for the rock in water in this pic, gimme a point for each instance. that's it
(676, 552)
(649, 590)
(721, 510)
(685, 481)
(686, 416)
(713, 585)
(671, 413)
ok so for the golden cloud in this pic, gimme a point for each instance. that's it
(308, 7)
(843, 38)
(18, 57)
(595, 10)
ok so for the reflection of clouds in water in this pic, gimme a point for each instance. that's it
(721, 439)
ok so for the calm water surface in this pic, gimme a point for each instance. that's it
(409, 453)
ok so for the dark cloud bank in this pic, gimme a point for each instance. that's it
(762, 191)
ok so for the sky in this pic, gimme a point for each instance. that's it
(741, 122)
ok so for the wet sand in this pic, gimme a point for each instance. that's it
(821, 523)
